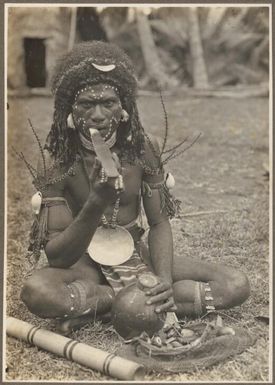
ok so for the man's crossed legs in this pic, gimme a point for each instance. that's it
(82, 290)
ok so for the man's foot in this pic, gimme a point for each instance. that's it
(65, 327)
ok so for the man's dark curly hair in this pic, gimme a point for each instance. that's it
(74, 71)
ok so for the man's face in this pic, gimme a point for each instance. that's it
(97, 107)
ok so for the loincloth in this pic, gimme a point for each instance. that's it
(126, 273)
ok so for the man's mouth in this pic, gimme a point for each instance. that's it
(103, 130)
(98, 126)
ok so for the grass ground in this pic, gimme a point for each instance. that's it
(221, 175)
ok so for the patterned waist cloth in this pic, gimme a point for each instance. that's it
(123, 275)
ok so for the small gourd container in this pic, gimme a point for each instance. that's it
(131, 315)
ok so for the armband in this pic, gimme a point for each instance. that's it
(39, 235)
(168, 202)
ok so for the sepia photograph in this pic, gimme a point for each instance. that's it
(138, 193)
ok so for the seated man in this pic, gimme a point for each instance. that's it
(95, 87)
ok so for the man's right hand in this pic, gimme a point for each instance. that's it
(106, 188)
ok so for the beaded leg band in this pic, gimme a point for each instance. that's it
(204, 301)
(209, 300)
(78, 299)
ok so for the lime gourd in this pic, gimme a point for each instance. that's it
(131, 315)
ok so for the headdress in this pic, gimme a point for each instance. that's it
(87, 64)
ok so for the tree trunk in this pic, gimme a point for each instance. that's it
(88, 24)
(72, 28)
(152, 61)
(200, 77)
(214, 19)
(258, 52)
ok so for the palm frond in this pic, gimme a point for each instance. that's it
(40, 147)
(176, 146)
(175, 155)
(28, 165)
(166, 124)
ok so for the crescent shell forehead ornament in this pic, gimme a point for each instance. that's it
(104, 68)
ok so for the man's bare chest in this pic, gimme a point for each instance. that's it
(78, 186)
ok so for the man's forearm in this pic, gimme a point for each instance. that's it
(66, 248)
(161, 250)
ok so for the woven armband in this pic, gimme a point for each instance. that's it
(148, 187)
(39, 234)
(168, 202)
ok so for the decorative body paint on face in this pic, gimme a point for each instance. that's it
(98, 107)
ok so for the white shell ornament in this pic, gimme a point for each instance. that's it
(124, 116)
(70, 121)
(36, 202)
(104, 68)
(170, 181)
(111, 246)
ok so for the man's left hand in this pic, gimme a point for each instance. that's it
(162, 295)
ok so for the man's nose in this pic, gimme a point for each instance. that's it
(97, 115)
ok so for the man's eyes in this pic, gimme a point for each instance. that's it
(86, 104)
(106, 103)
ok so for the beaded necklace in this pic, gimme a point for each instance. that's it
(113, 221)
(111, 244)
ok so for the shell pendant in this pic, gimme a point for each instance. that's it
(36, 202)
(170, 181)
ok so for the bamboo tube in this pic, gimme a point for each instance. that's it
(107, 363)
